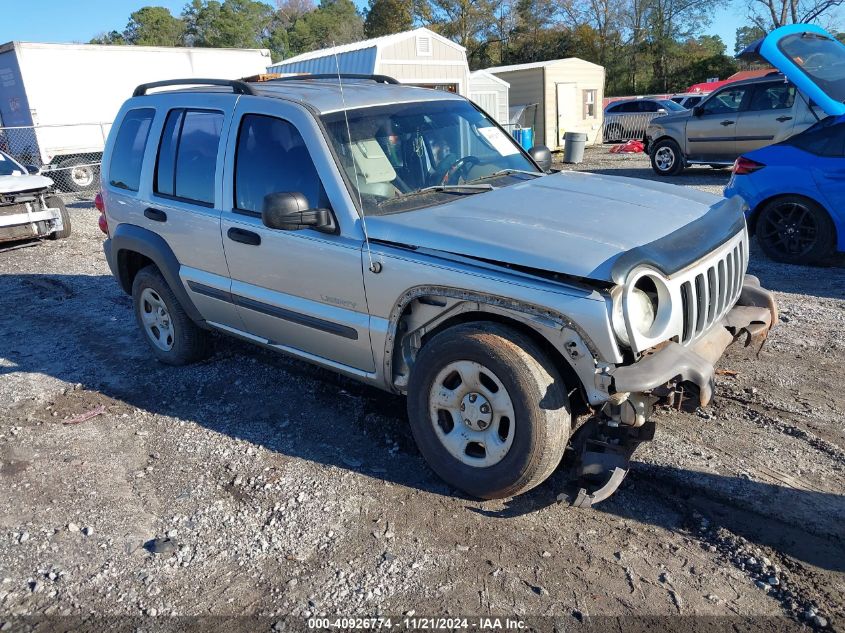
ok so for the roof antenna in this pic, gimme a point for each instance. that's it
(375, 267)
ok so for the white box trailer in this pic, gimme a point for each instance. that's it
(57, 101)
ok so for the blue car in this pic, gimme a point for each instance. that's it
(795, 189)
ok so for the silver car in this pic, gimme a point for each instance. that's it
(399, 236)
(741, 117)
(27, 208)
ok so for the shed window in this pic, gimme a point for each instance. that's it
(423, 46)
(589, 104)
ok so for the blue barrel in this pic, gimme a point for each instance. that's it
(527, 138)
(524, 136)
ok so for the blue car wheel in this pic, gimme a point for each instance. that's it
(795, 230)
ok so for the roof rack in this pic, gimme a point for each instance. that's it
(381, 79)
(238, 87)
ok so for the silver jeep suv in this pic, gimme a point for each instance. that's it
(399, 236)
(741, 117)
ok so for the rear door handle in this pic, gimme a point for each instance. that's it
(155, 214)
(727, 123)
(244, 236)
(781, 119)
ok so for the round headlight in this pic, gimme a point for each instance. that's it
(641, 311)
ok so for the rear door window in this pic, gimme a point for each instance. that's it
(129, 147)
(779, 96)
(187, 157)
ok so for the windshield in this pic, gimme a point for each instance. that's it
(8, 167)
(821, 58)
(397, 152)
(671, 106)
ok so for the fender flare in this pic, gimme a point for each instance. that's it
(132, 238)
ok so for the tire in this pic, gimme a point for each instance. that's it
(669, 149)
(54, 202)
(172, 336)
(528, 413)
(74, 179)
(795, 230)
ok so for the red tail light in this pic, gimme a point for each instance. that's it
(744, 166)
(101, 207)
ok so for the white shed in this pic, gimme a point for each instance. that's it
(491, 94)
(568, 92)
(419, 57)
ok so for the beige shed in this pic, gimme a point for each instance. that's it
(568, 93)
(419, 57)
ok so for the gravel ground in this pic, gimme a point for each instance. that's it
(286, 490)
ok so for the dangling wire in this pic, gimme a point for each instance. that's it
(373, 267)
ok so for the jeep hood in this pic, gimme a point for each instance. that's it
(809, 57)
(573, 223)
(23, 183)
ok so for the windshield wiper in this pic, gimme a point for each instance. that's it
(507, 172)
(453, 189)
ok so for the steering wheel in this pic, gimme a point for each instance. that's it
(459, 169)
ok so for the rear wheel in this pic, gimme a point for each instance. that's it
(54, 202)
(76, 175)
(488, 410)
(167, 328)
(666, 158)
(796, 230)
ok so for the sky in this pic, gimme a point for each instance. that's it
(80, 20)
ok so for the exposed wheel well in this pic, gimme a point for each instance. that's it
(128, 265)
(577, 398)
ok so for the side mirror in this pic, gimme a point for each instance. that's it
(542, 155)
(697, 111)
(32, 170)
(289, 211)
(661, 111)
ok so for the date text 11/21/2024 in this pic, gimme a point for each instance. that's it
(417, 623)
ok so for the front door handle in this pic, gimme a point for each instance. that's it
(727, 123)
(781, 119)
(244, 237)
(156, 215)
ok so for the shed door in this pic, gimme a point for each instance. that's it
(487, 101)
(567, 110)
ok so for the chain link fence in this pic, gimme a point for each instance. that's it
(69, 155)
(618, 128)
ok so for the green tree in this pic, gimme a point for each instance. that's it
(747, 35)
(334, 22)
(231, 24)
(384, 17)
(112, 37)
(154, 26)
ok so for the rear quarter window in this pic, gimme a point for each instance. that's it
(129, 147)
(826, 138)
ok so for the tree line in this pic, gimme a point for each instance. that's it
(647, 46)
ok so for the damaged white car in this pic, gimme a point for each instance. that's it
(27, 210)
(399, 236)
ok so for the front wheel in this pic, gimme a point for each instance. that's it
(796, 230)
(54, 202)
(666, 158)
(488, 410)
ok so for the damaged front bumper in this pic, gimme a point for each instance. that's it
(669, 372)
(672, 369)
